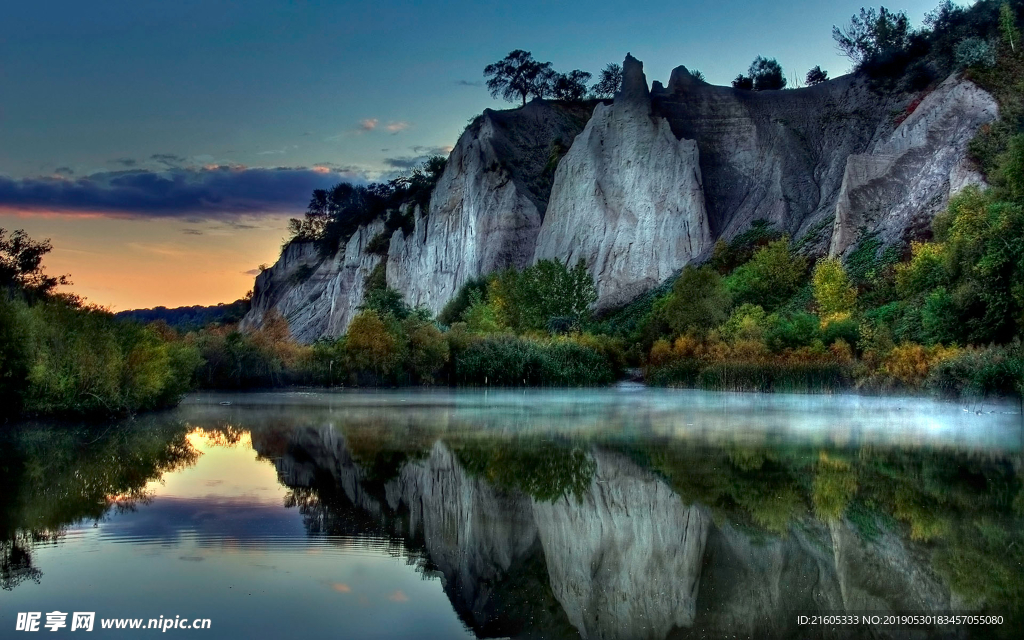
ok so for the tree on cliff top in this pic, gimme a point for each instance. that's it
(518, 75)
(815, 76)
(764, 75)
(873, 35)
(611, 80)
(571, 86)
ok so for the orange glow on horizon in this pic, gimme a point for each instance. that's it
(123, 262)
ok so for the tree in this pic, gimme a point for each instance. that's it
(873, 34)
(743, 82)
(21, 265)
(571, 86)
(1008, 26)
(610, 82)
(518, 75)
(697, 75)
(698, 301)
(771, 277)
(766, 74)
(528, 299)
(833, 292)
(816, 76)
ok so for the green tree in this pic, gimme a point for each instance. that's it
(873, 34)
(743, 82)
(766, 74)
(571, 86)
(528, 299)
(771, 277)
(698, 301)
(609, 83)
(815, 76)
(835, 294)
(517, 76)
(21, 265)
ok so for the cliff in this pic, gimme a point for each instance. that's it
(646, 184)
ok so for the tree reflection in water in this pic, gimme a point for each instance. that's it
(556, 534)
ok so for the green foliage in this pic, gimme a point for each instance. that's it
(457, 306)
(975, 52)
(698, 302)
(1008, 26)
(526, 300)
(729, 255)
(771, 277)
(510, 362)
(766, 74)
(544, 470)
(833, 291)
(21, 266)
(873, 36)
(791, 331)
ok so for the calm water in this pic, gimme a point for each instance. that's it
(618, 513)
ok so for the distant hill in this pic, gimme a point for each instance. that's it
(189, 318)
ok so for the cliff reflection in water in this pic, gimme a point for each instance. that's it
(601, 514)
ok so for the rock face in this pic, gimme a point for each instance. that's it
(627, 198)
(648, 183)
(907, 177)
(629, 534)
(486, 210)
(318, 297)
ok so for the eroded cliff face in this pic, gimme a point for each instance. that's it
(627, 198)
(905, 178)
(317, 296)
(486, 211)
(649, 182)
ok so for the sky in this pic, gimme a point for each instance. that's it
(162, 146)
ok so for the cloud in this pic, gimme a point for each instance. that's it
(422, 153)
(190, 193)
(67, 171)
(252, 272)
(470, 83)
(395, 127)
(168, 159)
(369, 124)
(125, 162)
(192, 232)
(341, 587)
(398, 596)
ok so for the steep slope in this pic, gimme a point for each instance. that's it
(627, 198)
(486, 211)
(648, 184)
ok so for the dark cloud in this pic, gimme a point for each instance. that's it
(189, 193)
(469, 83)
(167, 158)
(421, 155)
(252, 272)
(66, 171)
(125, 162)
(192, 232)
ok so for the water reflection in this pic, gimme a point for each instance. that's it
(603, 514)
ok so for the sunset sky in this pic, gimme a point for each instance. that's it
(162, 146)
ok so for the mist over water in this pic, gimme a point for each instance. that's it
(614, 513)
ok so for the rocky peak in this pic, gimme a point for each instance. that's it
(634, 83)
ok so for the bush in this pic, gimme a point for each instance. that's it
(771, 277)
(975, 52)
(698, 302)
(979, 373)
(510, 361)
(525, 300)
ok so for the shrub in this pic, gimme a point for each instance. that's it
(771, 277)
(909, 364)
(835, 295)
(511, 361)
(525, 300)
(975, 52)
(371, 346)
(698, 302)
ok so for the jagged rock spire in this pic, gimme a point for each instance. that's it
(634, 82)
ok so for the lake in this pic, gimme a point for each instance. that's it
(620, 513)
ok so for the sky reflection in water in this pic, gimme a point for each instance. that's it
(613, 513)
